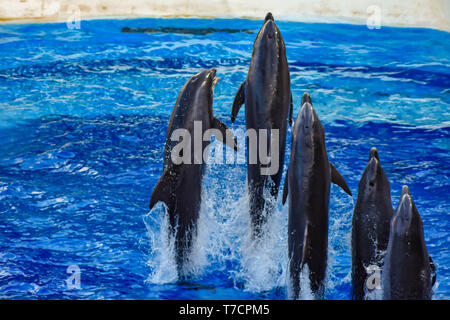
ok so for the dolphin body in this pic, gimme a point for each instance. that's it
(308, 186)
(408, 272)
(266, 94)
(180, 185)
(370, 226)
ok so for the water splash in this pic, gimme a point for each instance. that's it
(162, 256)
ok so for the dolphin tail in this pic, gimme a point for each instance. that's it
(433, 271)
(337, 179)
(238, 101)
(166, 186)
(227, 136)
(285, 188)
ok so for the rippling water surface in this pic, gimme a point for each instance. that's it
(83, 119)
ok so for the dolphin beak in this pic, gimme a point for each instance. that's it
(373, 153)
(270, 29)
(403, 216)
(211, 75)
(215, 81)
(306, 98)
(372, 171)
(269, 16)
(372, 167)
(307, 116)
(405, 190)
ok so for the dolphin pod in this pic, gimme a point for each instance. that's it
(393, 242)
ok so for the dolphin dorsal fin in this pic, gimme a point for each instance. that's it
(238, 101)
(285, 188)
(433, 271)
(227, 136)
(166, 186)
(337, 179)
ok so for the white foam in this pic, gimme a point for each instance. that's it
(224, 242)
(162, 256)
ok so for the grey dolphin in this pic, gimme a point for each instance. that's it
(267, 97)
(180, 184)
(408, 272)
(308, 186)
(370, 226)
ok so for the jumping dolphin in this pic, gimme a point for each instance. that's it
(267, 97)
(370, 228)
(408, 272)
(308, 185)
(180, 184)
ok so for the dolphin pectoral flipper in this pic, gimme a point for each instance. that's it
(337, 179)
(226, 134)
(285, 188)
(165, 186)
(291, 111)
(433, 271)
(306, 247)
(238, 101)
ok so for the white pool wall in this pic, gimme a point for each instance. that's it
(404, 13)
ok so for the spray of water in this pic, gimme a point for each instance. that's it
(224, 242)
(162, 256)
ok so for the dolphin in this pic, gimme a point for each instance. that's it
(267, 96)
(180, 185)
(408, 271)
(308, 185)
(370, 227)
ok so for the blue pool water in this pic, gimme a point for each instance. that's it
(83, 119)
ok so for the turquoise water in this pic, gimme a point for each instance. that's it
(83, 119)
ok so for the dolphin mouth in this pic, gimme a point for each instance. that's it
(215, 81)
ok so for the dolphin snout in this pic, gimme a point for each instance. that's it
(403, 217)
(306, 98)
(270, 29)
(212, 72)
(307, 117)
(405, 190)
(269, 16)
(373, 153)
(372, 170)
